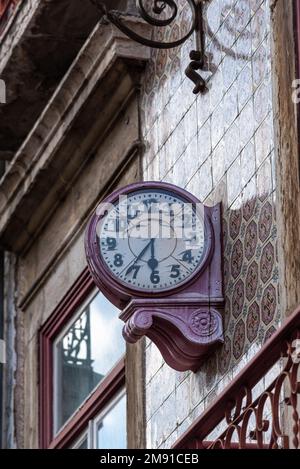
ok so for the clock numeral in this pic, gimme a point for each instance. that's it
(175, 271)
(135, 269)
(111, 243)
(154, 277)
(187, 256)
(118, 262)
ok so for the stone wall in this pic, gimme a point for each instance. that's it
(219, 146)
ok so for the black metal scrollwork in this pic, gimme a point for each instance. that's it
(159, 7)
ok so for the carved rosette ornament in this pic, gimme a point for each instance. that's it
(155, 252)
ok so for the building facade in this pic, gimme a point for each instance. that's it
(88, 110)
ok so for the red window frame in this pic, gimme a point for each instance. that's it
(7, 7)
(104, 392)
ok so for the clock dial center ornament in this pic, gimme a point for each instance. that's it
(155, 251)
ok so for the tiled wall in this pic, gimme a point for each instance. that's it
(220, 146)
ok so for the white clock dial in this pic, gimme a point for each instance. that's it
(153, 240)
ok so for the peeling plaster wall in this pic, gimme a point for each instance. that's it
(220, 147)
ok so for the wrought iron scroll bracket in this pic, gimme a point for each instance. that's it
(159, 18)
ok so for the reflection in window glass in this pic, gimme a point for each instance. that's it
(111, 430)
(82, 444)
(84, 354)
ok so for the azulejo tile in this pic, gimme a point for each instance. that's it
(268, 304)
(224, 356)
(236, 259)
(238, 298)
(249, 208)
(226, 271)
(235, 221)
(267, 262)
(227, 312)
(174, 36)
(253, 321)
(265, 222)
(250, 240)
(251, 281)
(269, 333)
(161, 62)
(239, 339)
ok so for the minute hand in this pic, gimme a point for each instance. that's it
(130, 267)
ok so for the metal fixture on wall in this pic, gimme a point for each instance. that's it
(163, 13)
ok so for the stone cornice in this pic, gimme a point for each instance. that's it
(77, 117)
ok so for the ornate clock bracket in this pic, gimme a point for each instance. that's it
(184, 335)
(158, 18)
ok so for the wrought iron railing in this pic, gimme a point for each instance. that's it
(260, 408)
(7, 8)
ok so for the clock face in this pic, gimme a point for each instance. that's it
(152, 240)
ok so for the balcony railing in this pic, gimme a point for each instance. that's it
(7, 8)
(260, 408)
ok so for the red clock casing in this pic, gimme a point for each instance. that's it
(185, 321)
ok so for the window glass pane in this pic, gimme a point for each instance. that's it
(111, 430)
(82, 443)
(84, 353)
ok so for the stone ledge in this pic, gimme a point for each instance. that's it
(102, 77)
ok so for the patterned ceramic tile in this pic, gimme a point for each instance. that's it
(235, 221)
(250, 240)
(224, 357)
(248, 209)
(237, 259)
(267, 262)
(269, 304)
(269, 333)
(265, 222)
(253, 321)
(251, 281)
(238, 298)
(238, 339)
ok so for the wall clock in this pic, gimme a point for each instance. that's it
(155, 251)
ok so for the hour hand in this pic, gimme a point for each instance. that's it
(152, 262)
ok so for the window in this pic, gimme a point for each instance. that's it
(108, 429)
(82, 385)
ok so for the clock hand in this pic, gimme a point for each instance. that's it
(178, 260)
(136, 260)
(152, 262)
